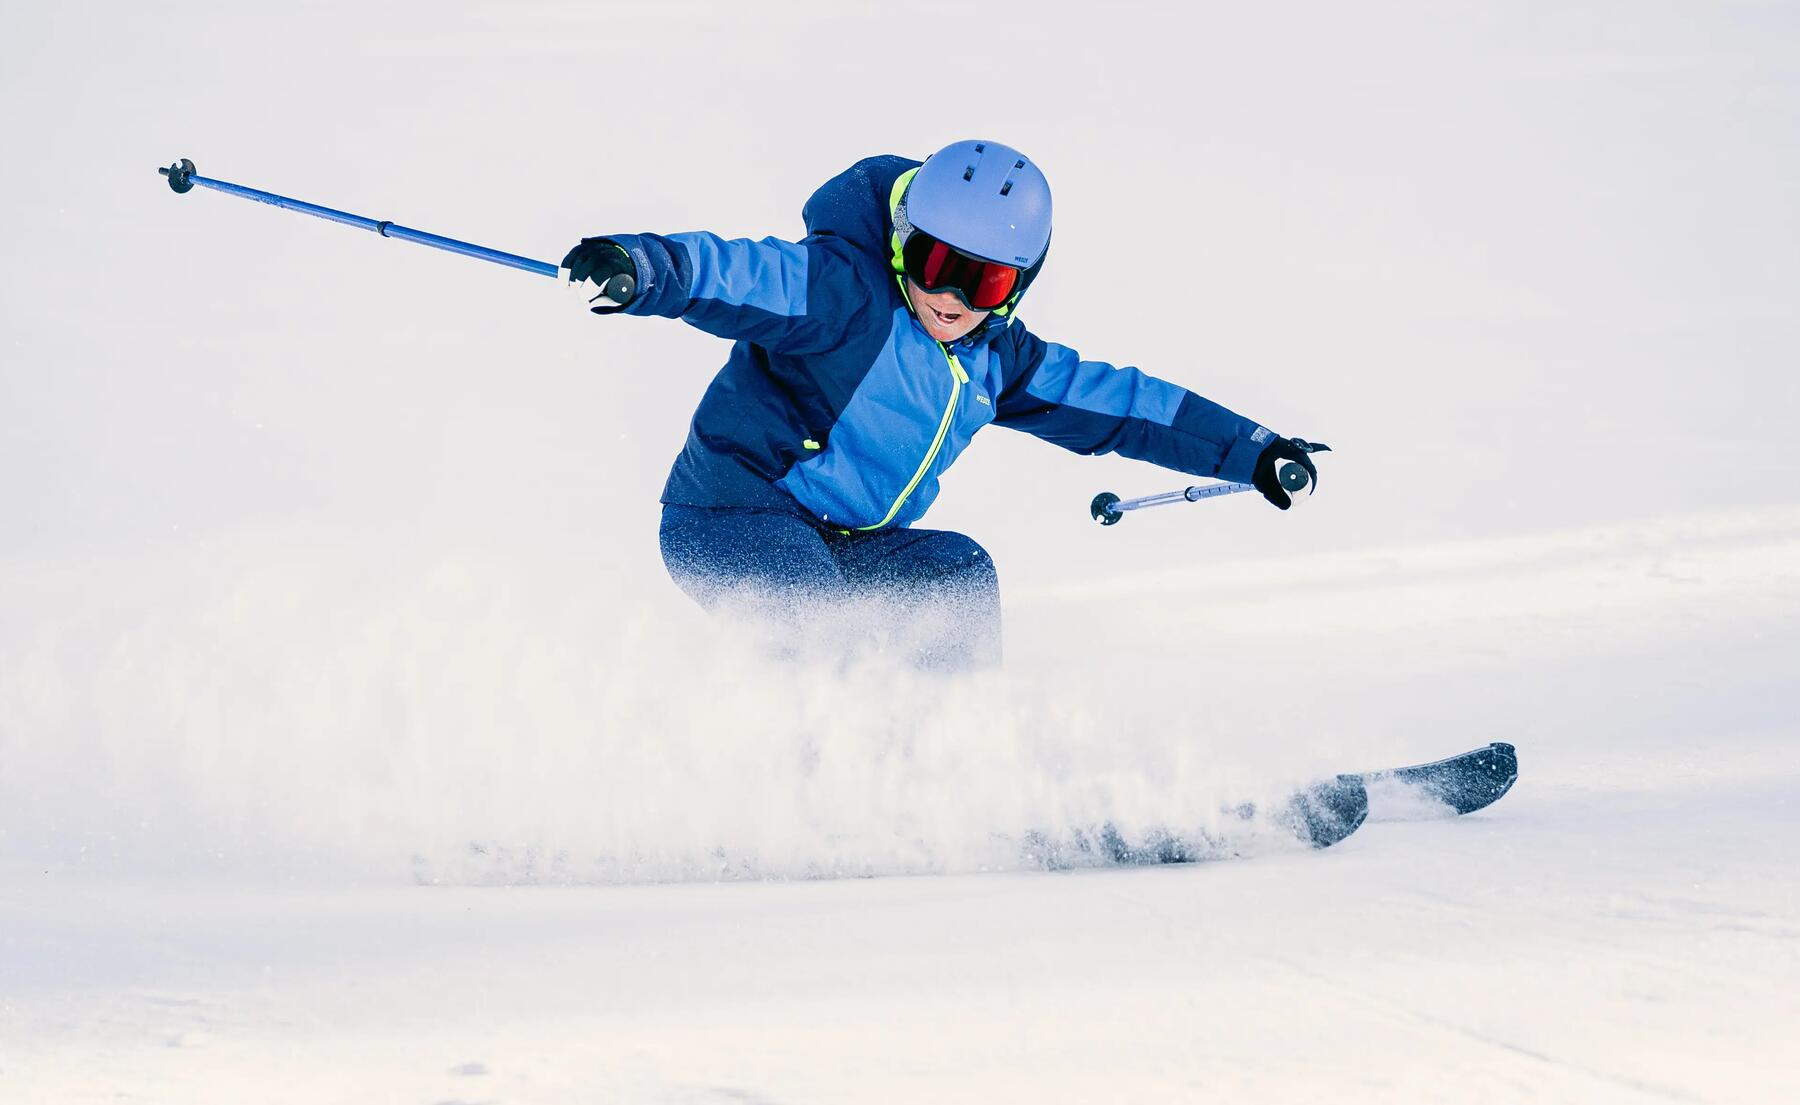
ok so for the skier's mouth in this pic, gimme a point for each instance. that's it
(946, 318)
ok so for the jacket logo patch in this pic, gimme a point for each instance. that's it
(983, 400)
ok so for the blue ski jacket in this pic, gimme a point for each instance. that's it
(836, 405)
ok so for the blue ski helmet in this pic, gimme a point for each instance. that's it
(985, 199)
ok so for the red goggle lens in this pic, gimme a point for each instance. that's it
(937, 267)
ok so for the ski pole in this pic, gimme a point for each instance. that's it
(1108, 509)
(182, 178)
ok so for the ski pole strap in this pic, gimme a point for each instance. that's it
(182, 178)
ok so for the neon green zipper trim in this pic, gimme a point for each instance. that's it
(959, 378)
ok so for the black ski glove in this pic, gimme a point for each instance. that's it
(1274, 475)
(606, 263)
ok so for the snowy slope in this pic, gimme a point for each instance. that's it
(1621, 927)
(353, 746)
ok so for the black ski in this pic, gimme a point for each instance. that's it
(1319, 816)
(1464, 784)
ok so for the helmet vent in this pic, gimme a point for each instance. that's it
(1006, 187)
(969, 172)
(988, 198)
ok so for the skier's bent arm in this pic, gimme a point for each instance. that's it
(1094, 407)
(792, 297)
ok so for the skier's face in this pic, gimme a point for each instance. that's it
(943, 315)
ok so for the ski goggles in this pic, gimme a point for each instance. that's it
(939, 267)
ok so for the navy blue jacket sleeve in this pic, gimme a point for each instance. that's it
(1094, 407)
(790, 297)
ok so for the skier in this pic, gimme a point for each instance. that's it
(866, 357)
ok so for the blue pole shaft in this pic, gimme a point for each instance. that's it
(380, 226)
(1187, 495)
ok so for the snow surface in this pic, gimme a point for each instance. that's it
(354, 747)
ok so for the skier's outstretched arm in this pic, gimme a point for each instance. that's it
(1093, 407)
(792, 297)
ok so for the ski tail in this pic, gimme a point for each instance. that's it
(1318, 816)
(1327, 812)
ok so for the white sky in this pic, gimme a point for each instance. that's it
(1525, 266)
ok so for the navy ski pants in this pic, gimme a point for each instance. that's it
(938, 589)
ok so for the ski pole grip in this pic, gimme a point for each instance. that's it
(618, 290)
(1294, 480)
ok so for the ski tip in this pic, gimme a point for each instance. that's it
(1483, 780)
(1465, 783)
